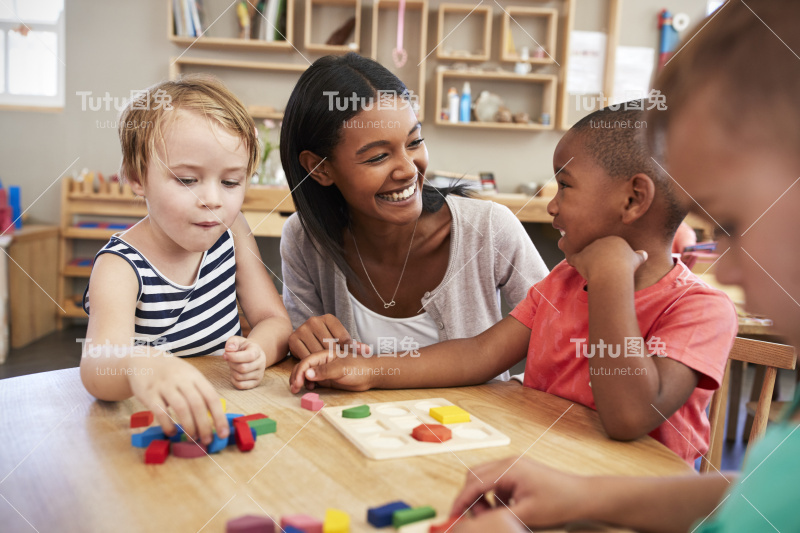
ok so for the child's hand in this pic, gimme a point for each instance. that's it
(317, 334)
(608, 253)
(540, 496)
(164, 382)
(247, 362)
(327, 370)
(497, 520)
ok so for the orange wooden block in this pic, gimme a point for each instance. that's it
(431, 433)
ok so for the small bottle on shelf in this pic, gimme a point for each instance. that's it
(465, 112)
(452, 101)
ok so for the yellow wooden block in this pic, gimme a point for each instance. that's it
(336, 521)
(224, 405)
(449, 414)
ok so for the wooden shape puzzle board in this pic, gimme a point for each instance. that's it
(386, 433)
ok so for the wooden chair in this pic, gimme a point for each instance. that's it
(770, 355)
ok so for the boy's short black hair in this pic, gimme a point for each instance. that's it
(615, 137)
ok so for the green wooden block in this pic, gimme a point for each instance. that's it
(362, 411)
(404, 517)
(263, 426)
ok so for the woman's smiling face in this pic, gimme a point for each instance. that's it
(379, 164)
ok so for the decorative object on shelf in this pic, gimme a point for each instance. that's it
(503, 115)
(399, 54)
(465, 110)
(486, 106)
(521, 118)
(488, 185)
(270, 171)
(342, 33)
(244, 14)
(522, 66)
(452, 104)
(545, 119)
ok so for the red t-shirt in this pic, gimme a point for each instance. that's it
(679, 316)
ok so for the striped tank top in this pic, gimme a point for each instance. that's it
(184, 320)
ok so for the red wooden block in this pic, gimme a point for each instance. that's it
(311, 401)
(157, 452)
(255, 416)
(250, 524)
(432, 433)
(444, 526)
(244, 439)
(141, 419)
(188, 450)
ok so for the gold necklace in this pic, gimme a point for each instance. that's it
(391, 303)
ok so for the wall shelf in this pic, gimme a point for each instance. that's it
(523, 23)
(331, 23)
(464, 15)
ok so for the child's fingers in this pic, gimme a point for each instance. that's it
(297, 377)
(183, 412)
(326, 371)
(159, 409)
(197, 406)
(214, 406)
(233, 343)
(244, 385)
(642, 254)
(245, 355)
(246, 376)
(244, 368)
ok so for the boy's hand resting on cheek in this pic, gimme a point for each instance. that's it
(246, 360)
(168, 381)
(326, 369)
(607, 254)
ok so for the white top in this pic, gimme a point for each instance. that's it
(393, 335)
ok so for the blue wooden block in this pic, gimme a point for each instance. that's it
(217, 444)
(177, 436)
(382, 516)
(143, 439)
(232, 436)
(290, 529)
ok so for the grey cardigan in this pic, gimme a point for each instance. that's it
(490, 254)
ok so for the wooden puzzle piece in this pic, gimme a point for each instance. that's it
(407, 516)
(217, 444)
(432, 433)
(444, 527)
(311, 402)
(244, 437)
(382, 516)
(336, 521)
(141, 419)
(301, 522)
(449, 414)
(250, 524)
(188, 450)
(156, 452)
(361, 411)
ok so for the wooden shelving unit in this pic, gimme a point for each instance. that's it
(78, 199)
(257, 111)
(547, 82)
(465, 13)
(232, 43)
(421, 30)
(516, 16)
(313, 6)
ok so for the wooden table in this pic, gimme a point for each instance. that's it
(67, 463)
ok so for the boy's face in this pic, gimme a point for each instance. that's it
(750, 191)
(587, 205)
(381, 153)
(195, 181)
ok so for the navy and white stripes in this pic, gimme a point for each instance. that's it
(184, 320)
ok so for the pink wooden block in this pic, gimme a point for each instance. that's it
(188, 450)
(311, 402)
(305, 523)
(250, 524)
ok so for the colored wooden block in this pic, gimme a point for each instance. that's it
(301, 522)
(244, 437)
(408, 516)
(250, 524)
(382, 516)
(156, 452)
(141, 419)
(311, 402)
(444, 527)
(290, 529)
(264, 425)
(449, 414)
(361, 411)
(178, 437)
(143, 439)
(217, 444)
(336, 521)
(188, 450)
(432, 433)
(224, 404)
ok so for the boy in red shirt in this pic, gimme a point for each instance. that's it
(619, 326)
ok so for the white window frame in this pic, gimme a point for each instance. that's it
(35, 102)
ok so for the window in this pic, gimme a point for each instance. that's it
(32, 53)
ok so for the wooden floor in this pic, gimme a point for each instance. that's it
(62, 350)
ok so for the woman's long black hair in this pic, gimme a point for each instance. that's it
(312, 123)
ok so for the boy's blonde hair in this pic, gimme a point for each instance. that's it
(142, 121)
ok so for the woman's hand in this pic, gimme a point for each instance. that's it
(319, 333)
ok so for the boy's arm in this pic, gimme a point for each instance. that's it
(112, 369)
(633, 395)
(258, 297)
(447, 364)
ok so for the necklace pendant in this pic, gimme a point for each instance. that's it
(390, 304)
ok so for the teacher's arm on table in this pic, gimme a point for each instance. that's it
(543, 497)
(448, 364)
